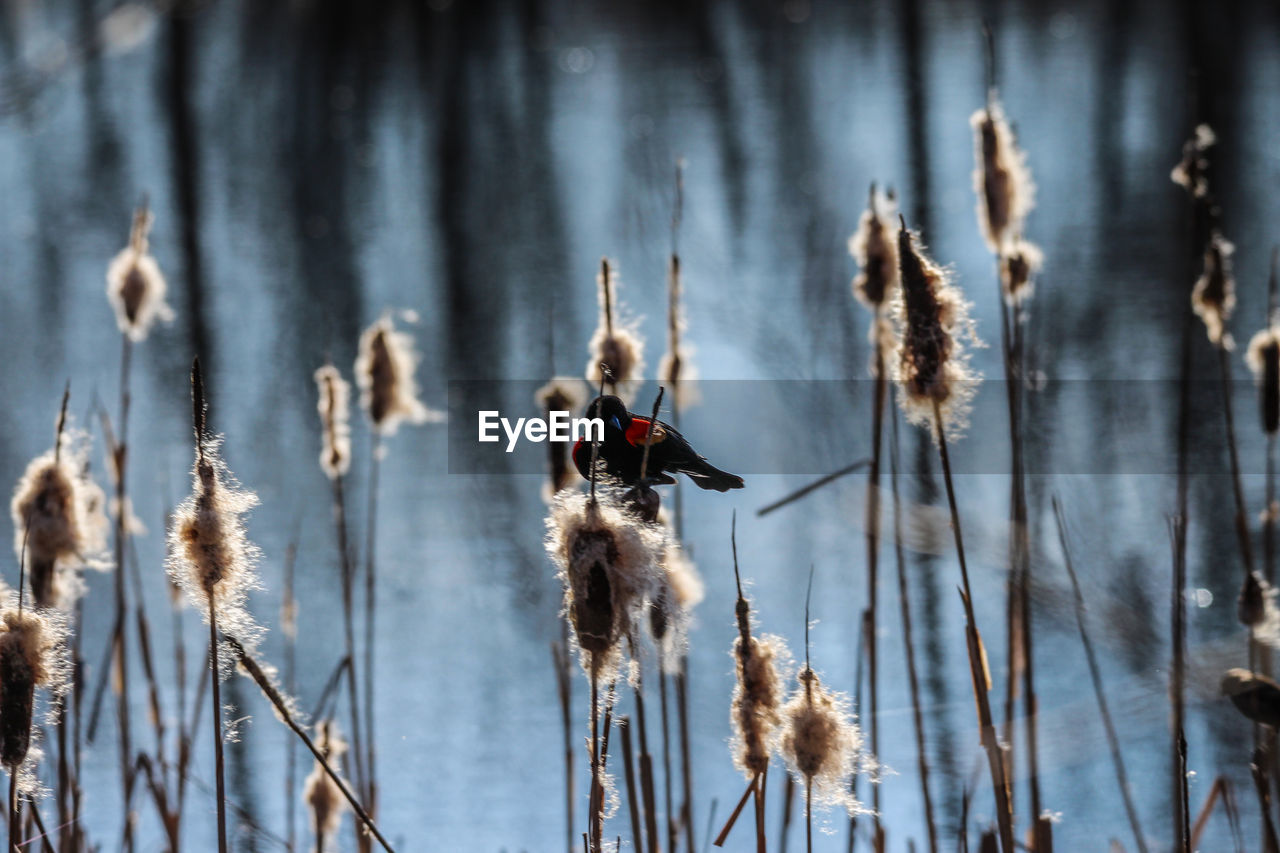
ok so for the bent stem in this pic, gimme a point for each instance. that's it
(977, 665)
(255, 672)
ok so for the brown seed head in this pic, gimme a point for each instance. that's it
(1001, 178)
(334, 406)
(321, 794)
(874, 247)
(384, 372)
(1214, 296)
(1263, 358)
(135, 286)
(1191, 171)
(821, 743)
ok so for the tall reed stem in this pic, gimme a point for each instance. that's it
(120, 635)
(977, 658)
(873, 563)
(219, 766)
(370, 619)
(348, 628)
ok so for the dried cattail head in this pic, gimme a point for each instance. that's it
(335, 426)
(58, 512)
(1214, 296)
(1251, 606)
(561, 394)
(33, 654)
(608, 561)
(1001, 178)
(135, 286)
(615, 345)
(1256, 696)
(821, 743)
(931, 367)
(384, 372)
(210, 555)
(677, 591)
(1018, 267)
(875, 248)
(320, 792)
(1263, 358)
(756, 710)
(1190, 173)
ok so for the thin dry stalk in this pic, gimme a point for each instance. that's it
(873, 563)
(220, 768)
(285, 713)
(629, 773)
(803, 491)
(349, 633)
(120, 634)
(977, 657)
(289, 627)
(1177, 686)
(1221, 790)
(560, 659)
(1099, 689)
(370, 619)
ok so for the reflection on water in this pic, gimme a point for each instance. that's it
(313, 164)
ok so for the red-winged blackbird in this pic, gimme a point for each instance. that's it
(621, 452)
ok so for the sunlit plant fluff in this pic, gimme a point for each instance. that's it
(1254, 695)
(875, 249)
(561, 394)
(1190, 173)
(1263, 358)
(1256, 608)
(615, 345)
(1018, 268)
(58, 512)
(33, 654)
(384, 371)
(1001, 179)
(320, 792)
(930, 365)
(1214, 296)
(821, 743)
(210, 555)
(756, 710)
(334, 406)
(608, 561)
(135, 285)
(677, 590)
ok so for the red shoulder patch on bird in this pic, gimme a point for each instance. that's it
(638, 430)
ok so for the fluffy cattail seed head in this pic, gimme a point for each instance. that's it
(1251, 606)
(874, 247)
(210, 555)
(135, 286)
(335, 427)
(677, 590)
(560, 395)
(1263, 358)
(756, 710)
(32, 654)
(1018, 267)
(384, 371)
(1190, 173)
(1214, 296)
(931, 366)
(58, 513)
(608, 561)
(321, 794)
(1001, 178)
(820, 741)
(1256, 696)
(676, 369)
(615, 345)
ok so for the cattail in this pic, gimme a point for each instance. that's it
(820, 741)
(1018, 267)
(1214, 296)
(335, 427)
(58, 512)
(1263, 358)
(1256, 609)
(384, 372)
(876, 251)
(756, 709)
(1190, 173)
(615, 345)
(210, 555)
(560, 395)
(676, 368)
(321, 794)
(931, 366)
(677, 590)
(1256, 696)
(1001, 178)
(33, 653)
(135, 286)
(608, 561)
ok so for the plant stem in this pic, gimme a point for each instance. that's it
(977, 663)
(370, 617)
(119, 640)
(219, 767)
(873, 557)
(348, 628)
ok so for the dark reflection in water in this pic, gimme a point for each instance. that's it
(314, 164)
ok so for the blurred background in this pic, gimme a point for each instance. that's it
(313, 164)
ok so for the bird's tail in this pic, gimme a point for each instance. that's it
(707, 476)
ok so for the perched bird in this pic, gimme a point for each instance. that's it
(621, 453)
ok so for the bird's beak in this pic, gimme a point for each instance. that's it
(615, 423)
